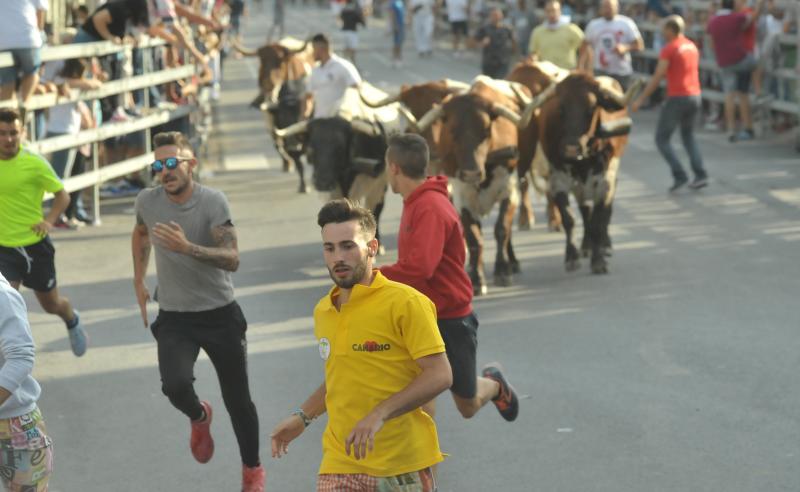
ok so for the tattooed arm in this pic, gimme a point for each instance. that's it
(226, 253)
(140, 246)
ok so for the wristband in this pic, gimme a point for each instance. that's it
(300, 413)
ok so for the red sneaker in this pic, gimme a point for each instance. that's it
(253, 478)
(202, 443)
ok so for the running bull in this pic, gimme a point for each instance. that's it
(347, 151)
(282, 74)
(477, 147)
(584, 130)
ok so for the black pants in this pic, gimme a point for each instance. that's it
(221, 334)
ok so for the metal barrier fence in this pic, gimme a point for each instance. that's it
(98, 175)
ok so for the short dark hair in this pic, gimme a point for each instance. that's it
(172, 138)
(410, 152)
(321, 39)
(727, 4)
(9, 115)
(344, 210)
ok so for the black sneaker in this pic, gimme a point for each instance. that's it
(678, 184)
(698, 183)
(506, 402)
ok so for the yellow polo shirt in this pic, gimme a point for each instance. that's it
(558, 46)
(23, 181)
(369, 348)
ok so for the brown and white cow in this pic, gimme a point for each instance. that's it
(582, 137)
(537, 77)
(418, 99)
(347, 151)
(282, 73)
(477, 148)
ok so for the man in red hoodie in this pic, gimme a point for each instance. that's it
(431, 256)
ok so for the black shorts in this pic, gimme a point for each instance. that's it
(461, 344)
(32, 265)
(459, 27)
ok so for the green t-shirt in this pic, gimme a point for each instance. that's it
(23, 182)
(558, 46)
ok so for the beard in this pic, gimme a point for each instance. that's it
(180, 189)
(358, 272)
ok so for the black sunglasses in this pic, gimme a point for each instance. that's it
(170, 163)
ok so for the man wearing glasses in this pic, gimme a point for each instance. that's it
(196, 251)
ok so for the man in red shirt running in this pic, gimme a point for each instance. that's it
(431, 256)
(678, 62)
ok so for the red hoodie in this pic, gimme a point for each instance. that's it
(431, 252)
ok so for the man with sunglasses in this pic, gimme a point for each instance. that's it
(196, 250)
(27, 256)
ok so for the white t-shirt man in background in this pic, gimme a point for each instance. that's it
(21, 33)
(610, 40)
(329, 80)
(458, 17)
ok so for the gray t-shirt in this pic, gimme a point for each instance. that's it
(184, 283)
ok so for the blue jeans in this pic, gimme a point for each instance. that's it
(680, 111)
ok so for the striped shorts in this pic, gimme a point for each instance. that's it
(26, 453)
(421, 481)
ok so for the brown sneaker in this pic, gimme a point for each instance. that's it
(201, 442)
(506, 402)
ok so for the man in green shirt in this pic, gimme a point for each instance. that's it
(556, 40)
(27, 255)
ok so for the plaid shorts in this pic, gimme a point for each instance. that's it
(26, 453)
(421, 481)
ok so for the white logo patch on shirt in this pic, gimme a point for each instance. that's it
(324, 348)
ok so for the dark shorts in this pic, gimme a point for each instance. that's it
(32, 265)
(461, 344)
(459, 27)
(737, 77)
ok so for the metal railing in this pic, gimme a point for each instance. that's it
(154, 117)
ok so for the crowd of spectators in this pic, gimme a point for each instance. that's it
(194, 32)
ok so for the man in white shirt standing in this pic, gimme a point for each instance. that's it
(21, 28)
(610, 40)
(329, 80)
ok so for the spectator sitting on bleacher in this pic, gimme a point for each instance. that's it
(610, 40)
(736, 64)
(21, 34)
(556, 40)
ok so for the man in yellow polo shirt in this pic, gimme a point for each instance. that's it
(384, 358)
(27, 255)
(556, 40)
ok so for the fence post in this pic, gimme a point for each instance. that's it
(96, 186)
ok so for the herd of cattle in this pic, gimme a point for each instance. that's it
(563, 132)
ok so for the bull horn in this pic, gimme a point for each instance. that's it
(365, 127)
(429, 118)
(516, 87)
(623, 99)
(536, 103)
(379, 104)
(299, 50)
(506, 113)
(241, 49)
(456, 85)
(408, 115)
(292, 130)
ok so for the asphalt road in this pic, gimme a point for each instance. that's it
(675, 372)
